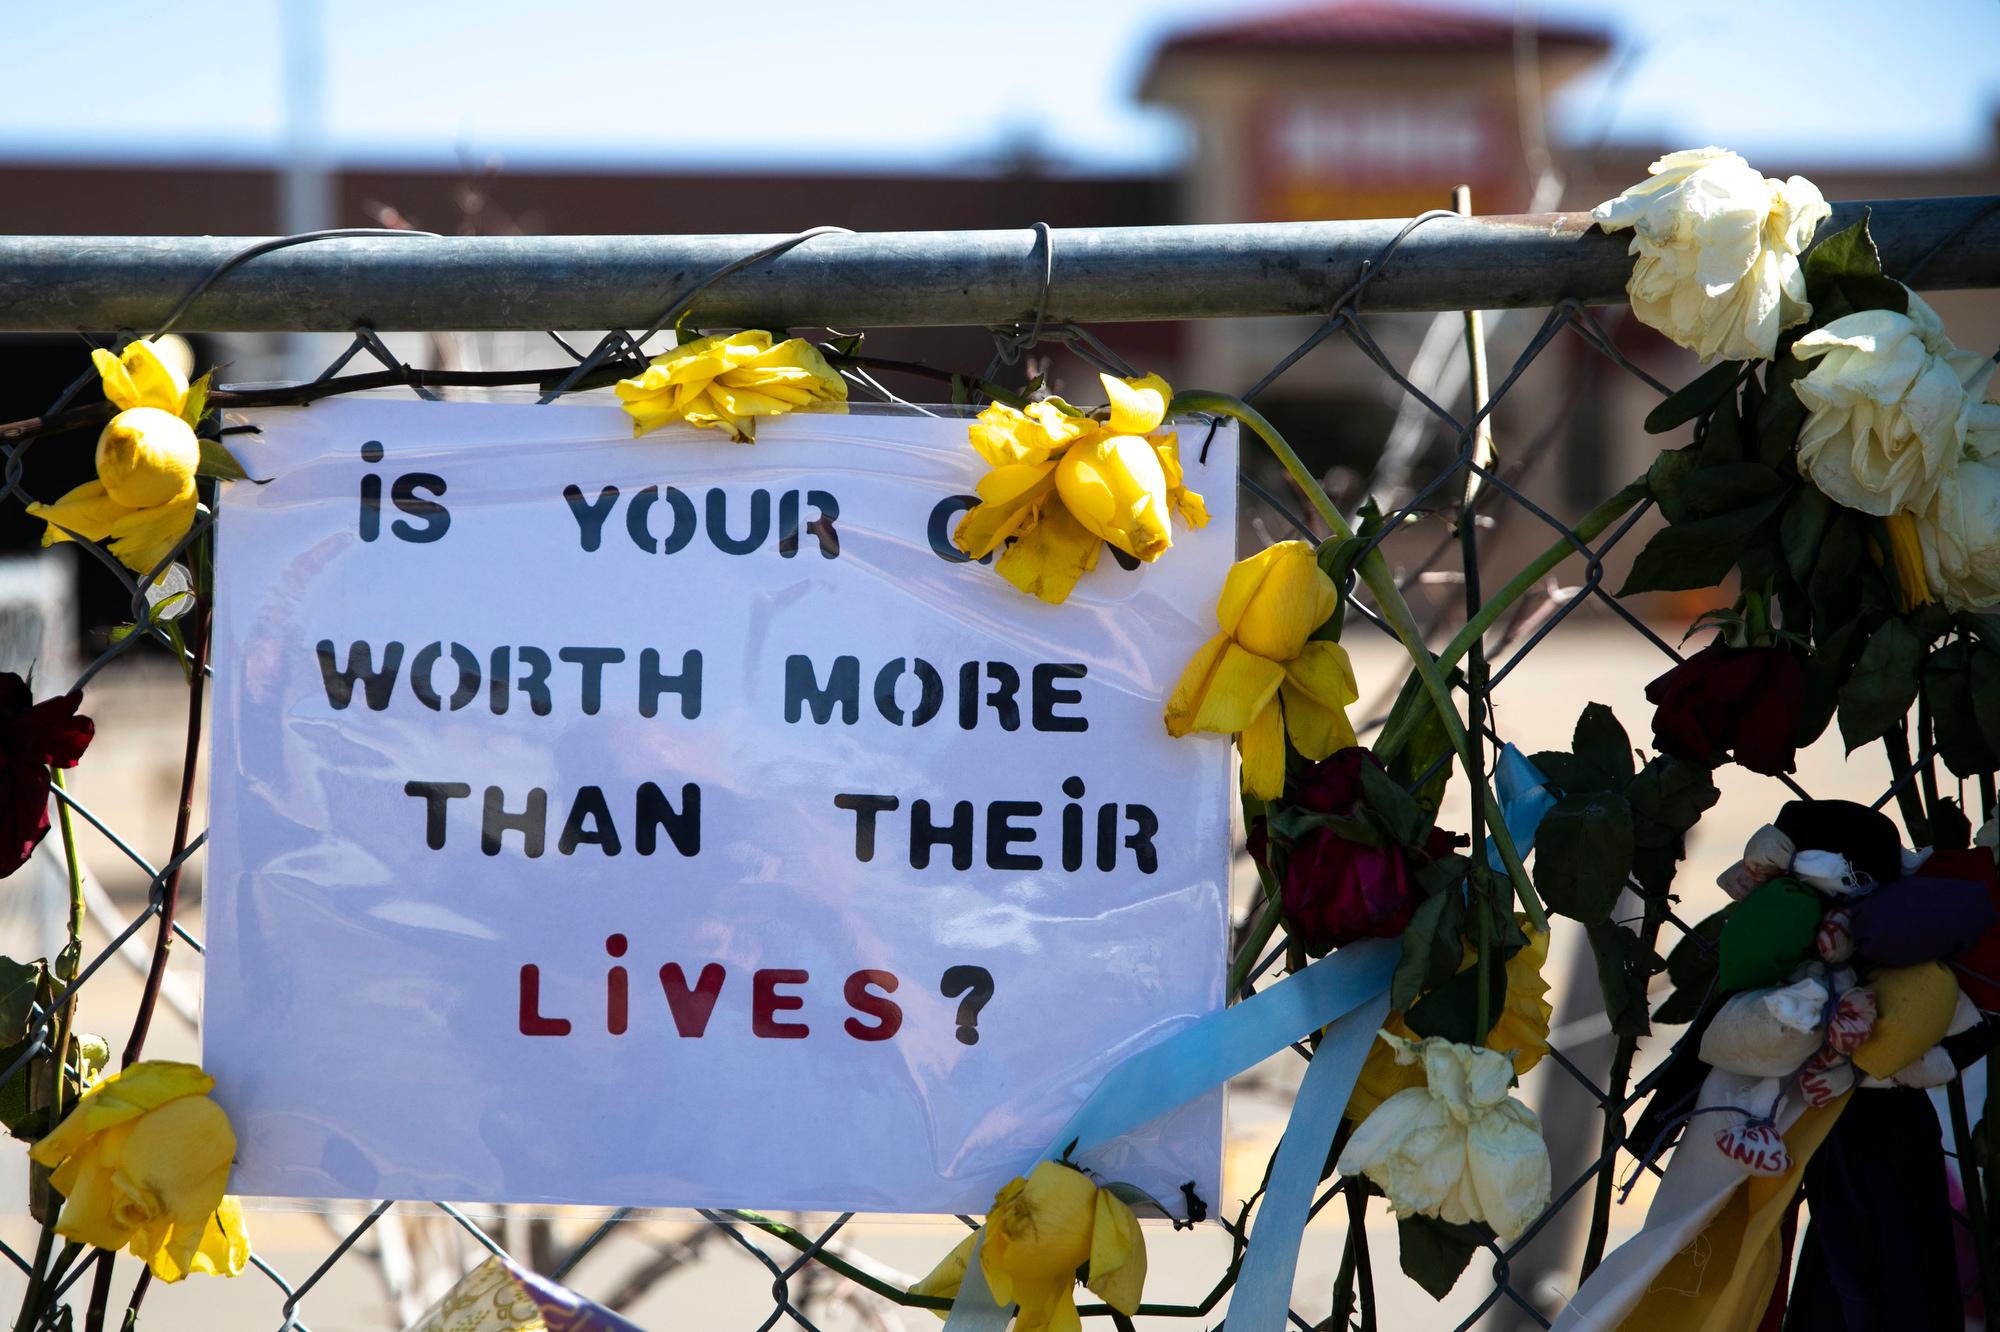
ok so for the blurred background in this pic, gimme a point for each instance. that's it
(256, 117)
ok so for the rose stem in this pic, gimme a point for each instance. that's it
(1389, 602)
(31, 1306)
(1483, 456)
(170, 891)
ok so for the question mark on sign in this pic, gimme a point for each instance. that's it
(976, 984)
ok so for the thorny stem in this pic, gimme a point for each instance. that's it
(100, 1291)
(170, 889)
(1396, 611)
(1614, 1106)
(66, 966)
(1397, 733)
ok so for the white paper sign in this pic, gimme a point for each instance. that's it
(601, 820)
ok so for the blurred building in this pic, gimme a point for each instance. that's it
(1362, 108)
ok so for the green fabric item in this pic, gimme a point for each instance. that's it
(1768, 934)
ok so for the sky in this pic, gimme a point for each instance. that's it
(911, 83)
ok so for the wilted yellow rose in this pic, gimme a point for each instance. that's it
(143, 500)
(1958, 532)
(1717, 252)
(1041, 1231)
(1260, 679)
(1064, 483)
(142, 1163)
(1459, 1147)
(1887, 407)
(142, 376)
(727, 382)
(1521, 1031)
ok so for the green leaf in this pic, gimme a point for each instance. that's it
(20, 983)
(1404, 819)
(21, 1121)
(1884, 684)
(1950, 829)
(1780, 414)
(1623, 967)
(1986, 697)
(1571, 774)
(1291, 823)
(1720, 488)
(1849, 252)
(1670, 470)
(219, 462)
(1668, 797)
(1691, 965)
(1698, 396)
(1434, 1253)
(1948, 690)
(1802, 529)
(1696, 554)
(1722, 437)
(1583, 855)
(1428, 742)
(196, 405)
(1602, 743)
(1431, 948)
(1451, 1007)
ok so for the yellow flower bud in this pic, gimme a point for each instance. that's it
(147, 456)
(141, 376)
(142, 1163)
(727, 383)
(1041, 1230)
(1906, 552)
(1273, 601)
(1116, 488)
(1040, 1226)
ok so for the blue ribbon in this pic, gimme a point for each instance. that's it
(1525, 799)
(1348, 989)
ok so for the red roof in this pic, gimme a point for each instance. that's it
(1378, 25)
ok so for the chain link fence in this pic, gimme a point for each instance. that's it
(1469, 503)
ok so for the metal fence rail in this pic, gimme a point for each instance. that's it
(399, 282)
(1024, 286)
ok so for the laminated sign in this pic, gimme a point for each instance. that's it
(670, 822)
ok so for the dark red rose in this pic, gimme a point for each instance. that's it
(1336, 890)
(33, 738)
(1725, 700)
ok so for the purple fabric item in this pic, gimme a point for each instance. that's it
(1919, 919)
(566, 1311)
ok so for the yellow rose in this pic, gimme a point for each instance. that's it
(1959, 531)
(727, 382)
(1456, 1147)
(1114, 485)
(1260, 679)
(1041, 1230)
(1521, 1030)
(143, 500)
(140, 376)
(1064, 483)
(1716, 247)
(146, 456)
(142, 1163)
(1888, 407)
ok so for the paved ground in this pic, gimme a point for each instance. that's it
(131, 779)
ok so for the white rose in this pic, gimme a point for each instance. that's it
(1886, 407)
(1960, 529)
(1718, 252)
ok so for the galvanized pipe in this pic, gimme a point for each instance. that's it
(887, 279)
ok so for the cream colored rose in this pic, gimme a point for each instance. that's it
(1886, 406)
(1717, 252)
(1960, 529)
